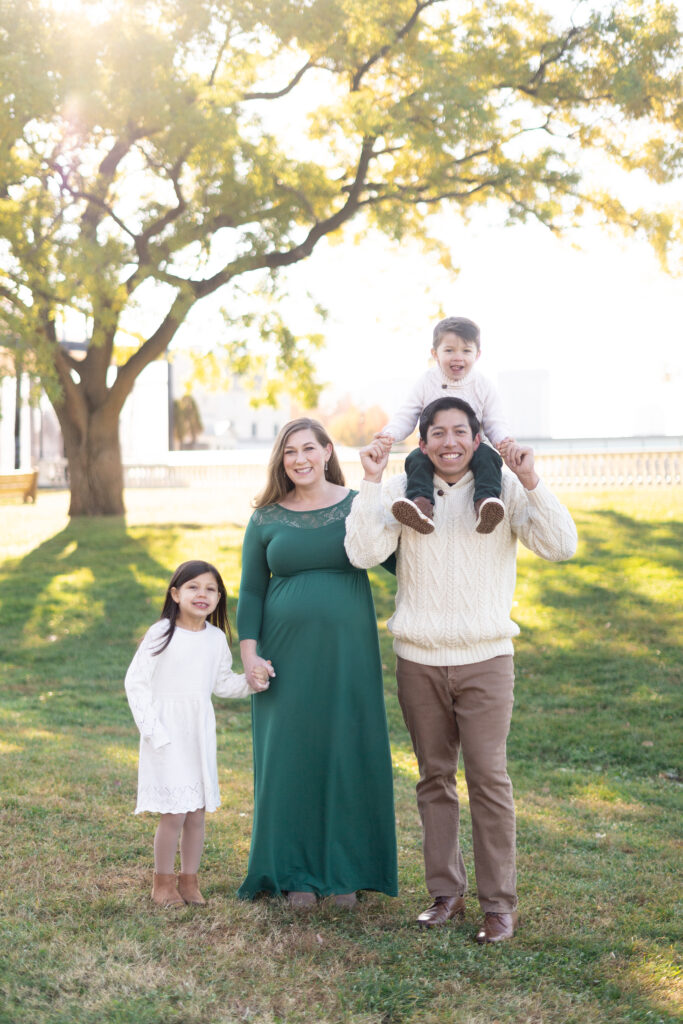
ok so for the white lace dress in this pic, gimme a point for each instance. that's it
(170, 697)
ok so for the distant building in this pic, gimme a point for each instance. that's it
(228, 417)
(230, 420)
(660, 406)
(143, 425)
(526, 399)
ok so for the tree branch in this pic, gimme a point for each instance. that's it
(330, 224)
(404, 196)
(74, 364)
(219, 57)
(305, 248)
(73, 402)
(171, 214)
(94, 201)
(281, 92)
(200, 289)
(155, 345)
(533, 86)
(384, 50)
(105, 175)
(9, 295)
(515, 201)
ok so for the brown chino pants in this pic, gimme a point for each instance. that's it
(447, 708)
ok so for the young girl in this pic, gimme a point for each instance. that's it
(181, 661)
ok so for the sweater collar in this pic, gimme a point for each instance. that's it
(449, 383)
(464, 480)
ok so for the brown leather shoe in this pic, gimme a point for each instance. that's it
(497, 927)
(442, 909)
(415, 514)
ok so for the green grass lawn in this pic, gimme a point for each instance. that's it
(594, 758)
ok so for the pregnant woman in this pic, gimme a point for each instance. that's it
(323, 798)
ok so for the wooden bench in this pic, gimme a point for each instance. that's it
(19, 485)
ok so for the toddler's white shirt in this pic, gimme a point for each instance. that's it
(475, 389)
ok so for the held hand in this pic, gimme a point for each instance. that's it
(259, 672)
(374, 458)
(260, 679)
(512, 452)
(520, 459)
(386, 440)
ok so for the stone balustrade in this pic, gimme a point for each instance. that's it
(569, 470)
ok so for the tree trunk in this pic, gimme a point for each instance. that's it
(95, 470)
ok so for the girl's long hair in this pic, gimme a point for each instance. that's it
(188, 571)
(278, 484)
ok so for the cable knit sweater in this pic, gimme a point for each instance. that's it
(455, 586)
(475, 389)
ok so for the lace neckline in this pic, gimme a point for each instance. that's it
(325, 508)
(306, 519)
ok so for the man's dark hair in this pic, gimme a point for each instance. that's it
(447, 402)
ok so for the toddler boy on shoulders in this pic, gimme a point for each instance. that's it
(456, 348)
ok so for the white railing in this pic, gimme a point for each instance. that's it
(598, 470)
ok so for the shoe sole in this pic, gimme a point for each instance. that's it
(490, 514)
(409, 515)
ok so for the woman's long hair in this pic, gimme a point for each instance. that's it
(278, 484)
(188, 571)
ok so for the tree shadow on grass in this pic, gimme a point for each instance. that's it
(71, 614)
(72, 611)
(598, 661)
(624, 573)
(616, 535)
(620, 562)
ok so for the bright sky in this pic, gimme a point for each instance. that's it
(604, 322)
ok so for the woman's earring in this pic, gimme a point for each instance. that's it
(326, 468)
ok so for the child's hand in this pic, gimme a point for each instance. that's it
(520, 459)
(511, 451)
(386, 440)
(374, 457)
(260, 675)
(513, 454)
(259, 680)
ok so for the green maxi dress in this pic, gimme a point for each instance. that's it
(323, 791)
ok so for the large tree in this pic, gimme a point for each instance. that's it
(160, 150)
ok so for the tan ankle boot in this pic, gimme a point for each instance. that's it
(189, 890)
(164, 891)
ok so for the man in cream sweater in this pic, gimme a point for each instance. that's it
(453, 641)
